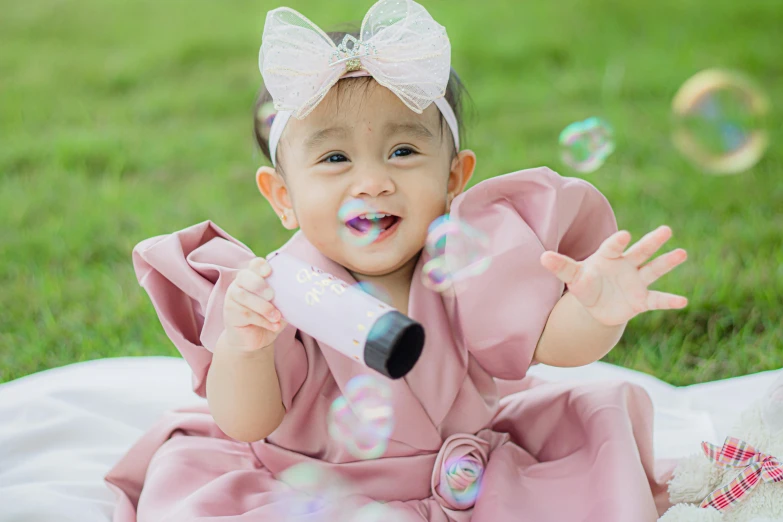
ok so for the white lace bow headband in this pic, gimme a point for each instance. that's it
(400, 46)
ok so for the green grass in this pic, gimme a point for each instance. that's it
(120, 120)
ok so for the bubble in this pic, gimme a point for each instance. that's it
(585, 145)
(458, 251)
(719, 121)
(464, 475)
(363, 419)
(435, 276)
(312, 494)
(437, 232)
(371, 230)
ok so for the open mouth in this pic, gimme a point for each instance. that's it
(367, 222)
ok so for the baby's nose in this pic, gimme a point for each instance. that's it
(373, 183)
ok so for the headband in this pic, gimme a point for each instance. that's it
(400, 46)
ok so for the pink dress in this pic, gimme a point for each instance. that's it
(550, 452)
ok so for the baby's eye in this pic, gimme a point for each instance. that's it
(404, 151)
(335, 158)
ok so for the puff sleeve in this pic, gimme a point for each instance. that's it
(501, 313)
(186, 275)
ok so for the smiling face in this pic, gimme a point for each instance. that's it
(362, 145)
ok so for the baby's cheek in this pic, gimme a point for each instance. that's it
(322, 228)
(418, 233)
(315, 214)
(318, 225)
(434, 208)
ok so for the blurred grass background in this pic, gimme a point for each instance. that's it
(120, 120)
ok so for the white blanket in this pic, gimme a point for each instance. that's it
(61, 430)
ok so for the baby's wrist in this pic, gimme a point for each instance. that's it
(235, 351)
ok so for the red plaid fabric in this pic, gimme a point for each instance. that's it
(736, 453)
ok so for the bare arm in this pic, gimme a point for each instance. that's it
(243, 392)
(572, 337)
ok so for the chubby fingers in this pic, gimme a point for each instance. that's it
(661, 265)
(260, 266)
(565, 268)
(613, 246)
(648, 245)
(665, 301)
(240, 315)
(251, 290)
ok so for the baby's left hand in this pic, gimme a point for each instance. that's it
(611, 285)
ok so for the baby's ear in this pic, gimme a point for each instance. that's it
(772, 405)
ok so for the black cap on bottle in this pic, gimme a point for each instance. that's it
(394, 344)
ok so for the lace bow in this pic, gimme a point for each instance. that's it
(400, 45)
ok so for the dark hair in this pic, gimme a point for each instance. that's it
(454, 95)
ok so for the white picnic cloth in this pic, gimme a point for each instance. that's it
(61, 430)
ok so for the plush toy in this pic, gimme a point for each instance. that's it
(742, 481)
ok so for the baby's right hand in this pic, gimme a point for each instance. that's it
(251, 321)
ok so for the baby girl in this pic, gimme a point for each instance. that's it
(375, 117)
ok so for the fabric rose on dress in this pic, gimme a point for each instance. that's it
(459, 468)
